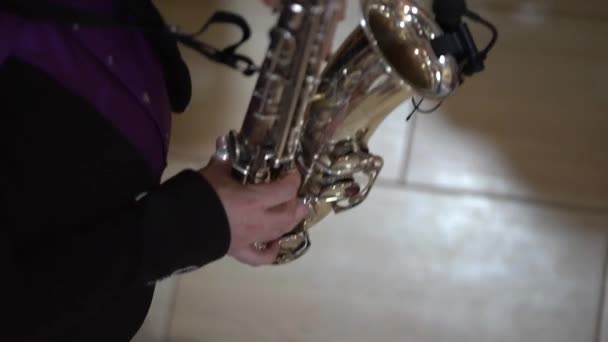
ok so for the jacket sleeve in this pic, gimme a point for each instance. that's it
(59, 276)
(184, 226)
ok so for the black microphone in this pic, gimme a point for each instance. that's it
(457, 39)
(449, 13)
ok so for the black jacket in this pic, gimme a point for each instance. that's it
(79, 253)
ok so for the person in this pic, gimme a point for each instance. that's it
(88, 226)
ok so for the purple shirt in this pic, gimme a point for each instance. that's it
(115, 70)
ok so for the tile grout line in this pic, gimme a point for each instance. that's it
(602, 300)
(429, 188)
(172, 308)
(409, 141)
(502, 10)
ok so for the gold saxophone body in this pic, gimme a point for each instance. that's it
(316, 111)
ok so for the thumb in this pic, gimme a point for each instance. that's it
(280, 191)
(255, 257)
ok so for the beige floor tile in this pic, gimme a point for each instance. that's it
(534, 124)
(410, 266)
(157, 323)
(591, 9)
(390, 142)
(604, 322)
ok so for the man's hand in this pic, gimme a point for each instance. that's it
(256, 213)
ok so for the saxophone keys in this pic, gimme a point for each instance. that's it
(293, 246)
(339, 192)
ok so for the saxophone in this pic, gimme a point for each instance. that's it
(316, 112)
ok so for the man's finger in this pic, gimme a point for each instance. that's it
(280, 191)
(255, 257)
(284, 218)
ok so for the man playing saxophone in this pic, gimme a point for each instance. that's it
(89, 226)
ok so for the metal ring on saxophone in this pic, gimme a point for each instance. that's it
(286, 256)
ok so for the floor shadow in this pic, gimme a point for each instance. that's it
(541, 107)
(146, 338)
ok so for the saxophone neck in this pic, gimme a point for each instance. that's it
(385, 61)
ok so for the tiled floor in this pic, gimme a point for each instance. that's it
(533, 125)
(413, 266)
(490, 222)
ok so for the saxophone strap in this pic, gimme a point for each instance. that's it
(228, 55)
(44, 11)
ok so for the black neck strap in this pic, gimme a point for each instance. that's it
(44, 11)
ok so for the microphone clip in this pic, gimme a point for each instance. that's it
(458, 41)
(461, 45)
